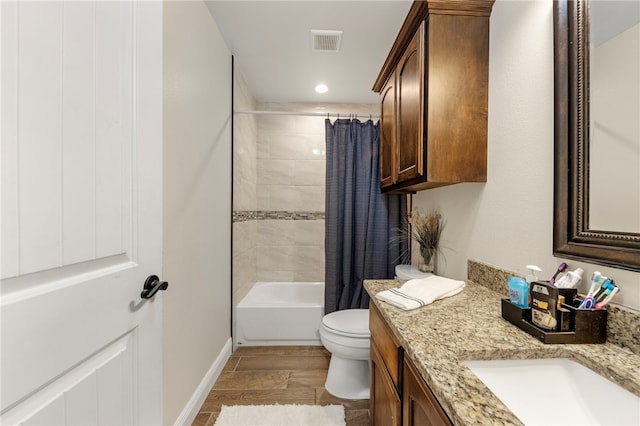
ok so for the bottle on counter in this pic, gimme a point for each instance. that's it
(571, 279)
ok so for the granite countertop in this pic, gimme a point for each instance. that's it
(469, 326)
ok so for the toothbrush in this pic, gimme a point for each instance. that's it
(588, 301)
(605, 293)
(602, 304)
(604, 290)
(561, 267)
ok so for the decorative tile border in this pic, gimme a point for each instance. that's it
(246, 215)
(623, 324)
(243, 216)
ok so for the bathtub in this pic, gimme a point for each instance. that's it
(280, 313)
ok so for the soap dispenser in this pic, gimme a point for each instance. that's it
(532, 276)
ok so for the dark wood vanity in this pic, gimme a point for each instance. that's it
(399, 395)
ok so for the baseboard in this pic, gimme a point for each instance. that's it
(190, 411)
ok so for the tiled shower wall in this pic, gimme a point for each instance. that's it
(244, 232)
(290, 196)
(279, 181)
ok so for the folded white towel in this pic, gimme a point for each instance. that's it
(419, 292)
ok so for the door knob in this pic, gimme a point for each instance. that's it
(152, 285)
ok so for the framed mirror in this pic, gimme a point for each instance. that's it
(596, 194)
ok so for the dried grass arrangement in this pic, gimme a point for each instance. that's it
(426, 229)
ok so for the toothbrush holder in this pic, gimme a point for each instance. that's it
(585, 325)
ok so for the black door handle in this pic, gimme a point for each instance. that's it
(152, 285)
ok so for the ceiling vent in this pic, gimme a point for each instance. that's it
(325, 40)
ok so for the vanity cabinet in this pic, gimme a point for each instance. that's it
(419, 405)
(434, 97)
(386, 407)
(386, 372)
(399, 395)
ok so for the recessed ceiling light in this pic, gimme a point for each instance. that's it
(321, 88)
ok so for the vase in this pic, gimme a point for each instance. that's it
(428, 262)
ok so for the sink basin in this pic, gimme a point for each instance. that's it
(557, 391)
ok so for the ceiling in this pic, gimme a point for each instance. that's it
(272, 46)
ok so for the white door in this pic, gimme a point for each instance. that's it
(81, 220)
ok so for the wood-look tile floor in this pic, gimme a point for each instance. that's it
(256, 375)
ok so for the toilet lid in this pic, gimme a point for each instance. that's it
(349, 322)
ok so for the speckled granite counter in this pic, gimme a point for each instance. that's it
(469, 326)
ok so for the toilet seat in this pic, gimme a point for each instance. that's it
(349, 323)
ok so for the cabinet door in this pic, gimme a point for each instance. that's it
(410, 109)
(419, 405)
(387, 344)
(385, 402)
(388, 134)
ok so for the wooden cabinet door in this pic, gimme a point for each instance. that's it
(388, 134)
(419, 405)
(387, 345)
(386, 409)
(410, 109)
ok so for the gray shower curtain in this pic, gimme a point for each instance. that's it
(361, 224)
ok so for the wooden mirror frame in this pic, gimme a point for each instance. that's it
(572, 237)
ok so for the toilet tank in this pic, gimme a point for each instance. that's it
(409, 272)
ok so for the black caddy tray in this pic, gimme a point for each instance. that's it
(587, 325)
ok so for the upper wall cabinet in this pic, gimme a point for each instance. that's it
(434, 91)
(388, 133)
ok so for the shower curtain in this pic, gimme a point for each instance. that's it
(362, 225)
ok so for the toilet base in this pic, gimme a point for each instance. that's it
(348, 378)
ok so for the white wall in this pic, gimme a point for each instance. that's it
(197, 200)
(508, 222)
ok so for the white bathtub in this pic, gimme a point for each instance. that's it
(280, 313)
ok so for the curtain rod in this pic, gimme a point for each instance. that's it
(307, 114)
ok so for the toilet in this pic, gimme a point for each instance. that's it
(346, 335)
